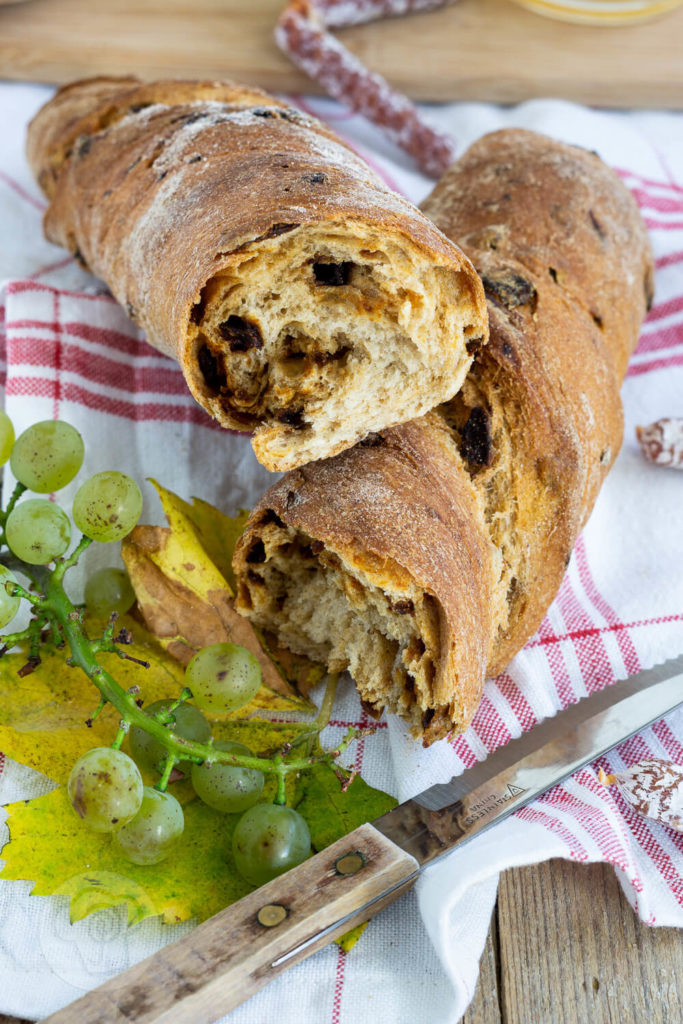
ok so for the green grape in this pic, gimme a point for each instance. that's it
(151, 835)
(37, 531)
(107, 506)
(223, 677)
(107, 591)
(105, 789)
(269, 839)
(189, 723)
(6, 437)
(9, 606)
(226, 787)
(47, 456)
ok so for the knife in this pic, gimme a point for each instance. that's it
(238, 951)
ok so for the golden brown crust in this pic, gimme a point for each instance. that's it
(169, 190)
(81, 109)
(551, 407)
(567, 269)
(562, 213)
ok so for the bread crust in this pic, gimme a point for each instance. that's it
(549, 205)
(166, 189)
(567, 269)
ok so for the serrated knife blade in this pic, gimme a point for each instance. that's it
(239, 950)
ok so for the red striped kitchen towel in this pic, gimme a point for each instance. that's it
(70, 351)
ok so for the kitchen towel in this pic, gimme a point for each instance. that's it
(71, 352)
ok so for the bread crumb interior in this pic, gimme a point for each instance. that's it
(299, 590)
(319, 335)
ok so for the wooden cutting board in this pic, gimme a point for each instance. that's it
(475, 50)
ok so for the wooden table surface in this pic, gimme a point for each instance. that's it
(565, 947)
(473, 49)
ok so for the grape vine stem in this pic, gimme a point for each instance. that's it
(4, 514)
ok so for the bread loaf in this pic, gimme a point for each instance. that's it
(303, 300)
(424, 559)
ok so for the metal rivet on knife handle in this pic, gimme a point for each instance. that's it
(272, 914)
(349, 863)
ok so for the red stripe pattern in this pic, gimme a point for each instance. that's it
(101, 363)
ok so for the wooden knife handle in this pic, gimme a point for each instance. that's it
(238, 951)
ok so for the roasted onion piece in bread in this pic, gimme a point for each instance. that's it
(423, 559)
(303, 299)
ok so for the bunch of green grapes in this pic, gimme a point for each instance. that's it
(105, 786)
(269, 838)
(107, 792)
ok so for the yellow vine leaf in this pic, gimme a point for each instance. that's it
(349, 940)
(182, 576)
(217, 532)
(43, 724)
(98, 890)
(51, 847)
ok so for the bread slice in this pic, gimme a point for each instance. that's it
(304, 300)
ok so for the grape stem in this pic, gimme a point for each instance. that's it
(56, 610)
(62, 564)
(10, 640)
(100, 707)
(310, 730)
(120, 735)
(280, 796)
(169, 765)
(325, 712)
(16, 590)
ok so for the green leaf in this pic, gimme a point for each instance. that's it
(331, 812)
(50, 846)
(184, 588)
(99, 890)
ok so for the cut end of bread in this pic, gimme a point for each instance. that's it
(318, 335)
(370, 620)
